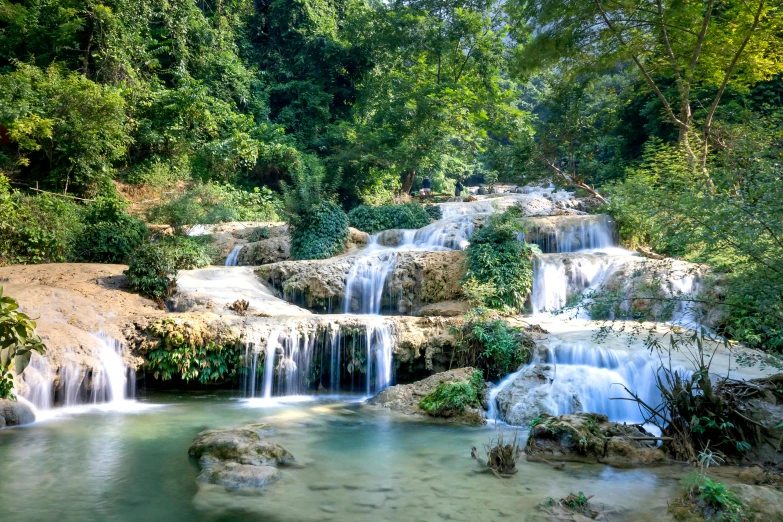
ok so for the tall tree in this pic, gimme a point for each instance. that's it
(708, 43)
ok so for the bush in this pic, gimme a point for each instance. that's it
(711, 500)
(188, 253)
(110, 233)
(496, 256)
(152, 271)
(434, 212)
(19, 339)
(320, 233)
(376, 219)
(491, 345)
(452, 398)
(213, 203)
(36, 229)
(259, 234)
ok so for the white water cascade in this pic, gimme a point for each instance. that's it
(334, 359)
(578, 378)
(110, 381)
(233, 256)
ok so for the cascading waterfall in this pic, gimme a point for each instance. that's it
(111, 381)
(367, 278)
(330, 359)
(573, 234)
(233, 256)
(584, 379)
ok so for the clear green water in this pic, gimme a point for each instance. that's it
(355, 463)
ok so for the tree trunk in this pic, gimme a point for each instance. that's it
(410, 177)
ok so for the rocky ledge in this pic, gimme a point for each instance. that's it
(591, 438)
(239, 457)
(405, 398)
(14, 413)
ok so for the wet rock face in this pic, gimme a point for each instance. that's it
(14, 413)
(239, 457)
(525, 398)
(591, 438)
(418, 278)
(405, 398)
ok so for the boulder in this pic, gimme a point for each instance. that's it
(591, 438)
(265, 251)
(233, 475)
(15, 413)
(764, 502)
(405, 398)
(530, 395)
(356, 240)
(239, 457)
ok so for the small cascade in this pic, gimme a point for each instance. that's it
(367, 278)
(575, 378)
(110, 381)
(325, 358)
(39, 380)
(233, 256)
(557, 234)
(557, 278)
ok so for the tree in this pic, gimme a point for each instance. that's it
(435, 89)
(675, 46)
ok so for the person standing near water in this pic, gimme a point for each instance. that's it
(458, 189)
(425, 186)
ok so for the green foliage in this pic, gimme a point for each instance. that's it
(188, 253)
(376, 219)
(37, 229)
(18, 340)
(490, 345)
(452, 398)
(210, 364)
(110, 234)
(320, 233)
(215, 203)
(714, 500)
(152, 271)
(258, 234)
(495, 256)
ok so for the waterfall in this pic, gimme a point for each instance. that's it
(575, 378)
(367, 279)
(557, 234)
(110, 381)
(233, 256)
(556, 278)
(300, 361)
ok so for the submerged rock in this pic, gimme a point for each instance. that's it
(405, 398)
(590, 437)
(526, 397)
(238, 457)
(15, 413)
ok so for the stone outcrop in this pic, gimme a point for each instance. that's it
(765, 503)
(591, 438)
(525, 398)
(405, 398)
(418, 278)
(15, 413)
(239, 457)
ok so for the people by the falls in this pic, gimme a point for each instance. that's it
(426, 185)
(458, 189)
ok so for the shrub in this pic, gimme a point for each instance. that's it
(711, 500)
(214, 203)
(36, 229)
(376, 219)
(434, 212)
(452, 398)
(496, 256)
(320, 232)
(188, 253)
(152, 272)
(210, 364)
(259, 234)
(491, 345)
(17, 340)
(110, 233)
